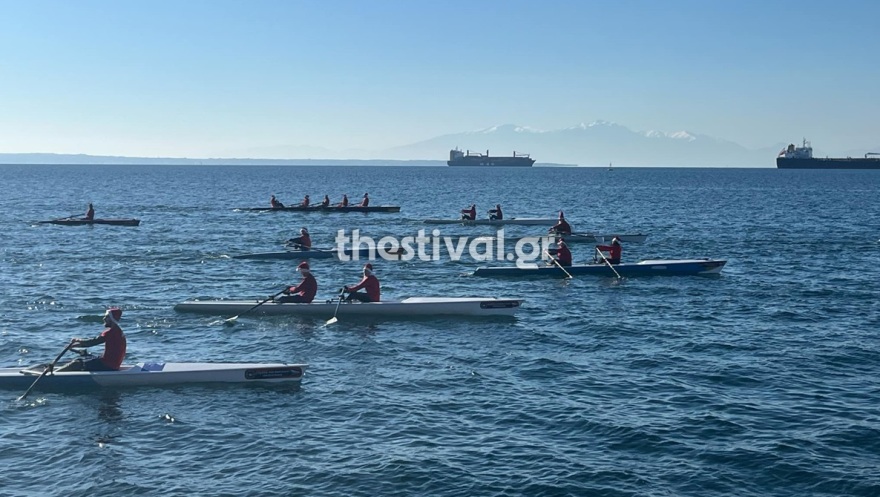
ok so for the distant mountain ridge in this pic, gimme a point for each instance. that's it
(596, 144)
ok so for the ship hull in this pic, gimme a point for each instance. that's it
(814, 163)
(491, 162)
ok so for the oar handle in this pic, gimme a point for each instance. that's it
(50, 367)
(556, 261)
(272, 297)
(609, 263)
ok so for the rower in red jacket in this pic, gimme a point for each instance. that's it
(561, 227)
(563, 255)
(614, 250)
(495, 213)
(344, 202)
(305, 291)
(366, 201)
(275, 203)
(302, 242)
(114, 346)
(305, 202)
(326, 201)
(90, 213)
(370, 284)
(469, 214)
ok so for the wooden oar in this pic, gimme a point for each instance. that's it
(555, 261)
(50, 367)
(233, 318)
(609, 264)
(333, 319)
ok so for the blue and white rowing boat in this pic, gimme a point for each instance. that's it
(657, 267)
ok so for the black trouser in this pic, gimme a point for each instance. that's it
(292, 299)
(94, 364)
(360, 296)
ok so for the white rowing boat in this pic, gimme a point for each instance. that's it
(524, 221)
(152, 373)
(411, 307)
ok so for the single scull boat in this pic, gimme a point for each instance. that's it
(79, 221)
(165, 373)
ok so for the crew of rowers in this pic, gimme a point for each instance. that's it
(307, 202)
(470, 214)
(305, 291)
(563, 254)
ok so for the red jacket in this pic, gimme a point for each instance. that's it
(114, 347)
(563, 255)
(365, 202)
(561, 226)
(471, 213)
(304, 241)
(307, 288)
(614, 250)
(90, 214)
(371, 285)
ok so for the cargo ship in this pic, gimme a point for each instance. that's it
(792, 157)
(476, 159)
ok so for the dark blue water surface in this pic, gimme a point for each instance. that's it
(762, 381)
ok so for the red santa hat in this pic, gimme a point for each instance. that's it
(114, 314)
(303, 267)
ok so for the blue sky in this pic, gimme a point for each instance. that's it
(215, 78)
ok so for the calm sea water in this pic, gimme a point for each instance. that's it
(763, 381)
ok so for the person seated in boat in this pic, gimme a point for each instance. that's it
(302, 242)
(326, 201)
(366, 201)
(305, 291)
(370, 285)
(275, 203)
(469, 214)
(561, 227)
(614, 251)
(344, 202)
(495, 214)
(563, 254)
(305, 202)
(90, 213)
(114, 346)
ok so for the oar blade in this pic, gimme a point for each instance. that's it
(332, 320)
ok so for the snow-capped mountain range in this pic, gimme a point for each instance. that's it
(596, 144)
